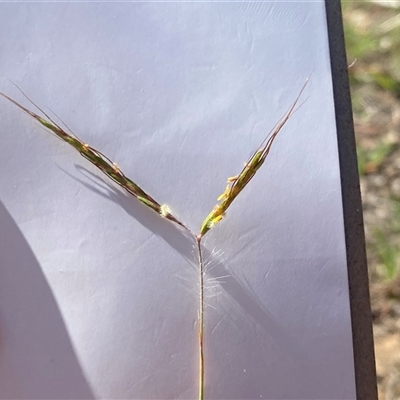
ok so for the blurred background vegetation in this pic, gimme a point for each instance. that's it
(372, 34)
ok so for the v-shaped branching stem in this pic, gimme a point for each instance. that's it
(234, 186)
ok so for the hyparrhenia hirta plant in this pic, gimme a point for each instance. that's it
(233, 188)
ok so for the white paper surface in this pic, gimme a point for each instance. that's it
(99, 295)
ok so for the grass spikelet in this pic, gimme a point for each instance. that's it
(108, 167)
(237, 183)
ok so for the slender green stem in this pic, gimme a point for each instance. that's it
(201, 319)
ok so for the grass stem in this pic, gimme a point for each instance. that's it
(201, 319)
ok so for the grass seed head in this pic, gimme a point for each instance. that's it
(108, 167)
(237, 183)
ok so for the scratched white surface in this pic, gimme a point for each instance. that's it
(98, 295)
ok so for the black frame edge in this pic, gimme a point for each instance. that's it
(363, 344)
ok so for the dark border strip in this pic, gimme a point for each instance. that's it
(363, 343)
